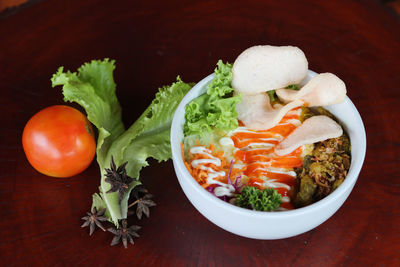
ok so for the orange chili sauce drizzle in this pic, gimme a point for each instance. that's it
(257, 161)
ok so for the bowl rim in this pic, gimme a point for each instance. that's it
(177, 127)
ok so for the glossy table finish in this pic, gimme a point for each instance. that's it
(152, 43)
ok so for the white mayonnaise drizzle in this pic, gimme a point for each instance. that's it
(272, 183)
(223, 189)
(266, 166)
(196, 162)
(243, 129)
(282, 171)
(294, 112)
(263, 143)
(206, 152)
(226, 141)
(295, 122)
(201, 150)
(258, 145)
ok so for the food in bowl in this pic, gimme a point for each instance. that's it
(259, 138)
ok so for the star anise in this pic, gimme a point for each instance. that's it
(93, 218)
(143, 205)
(118, 179)
(125, 234)
(138, 191)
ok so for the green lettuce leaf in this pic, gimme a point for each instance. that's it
(149, 136)
(215, 110)
(100, 204)
(93, 88)
(97, 98)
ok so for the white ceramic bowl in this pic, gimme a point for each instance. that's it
(268, 225)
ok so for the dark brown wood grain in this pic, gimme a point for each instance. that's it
(153, 42)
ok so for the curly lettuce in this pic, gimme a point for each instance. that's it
(93, 87)
(215, 110)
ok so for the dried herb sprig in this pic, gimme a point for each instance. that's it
(124, 233)
(93, 218)
(118, 179)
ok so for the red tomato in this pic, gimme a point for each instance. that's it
(59, 141)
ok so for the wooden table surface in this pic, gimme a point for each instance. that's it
(152, 43)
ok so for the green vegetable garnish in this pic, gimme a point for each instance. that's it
(93, 87)
(256, 199)
(215, 110)
(293, 87)
(272, 95)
